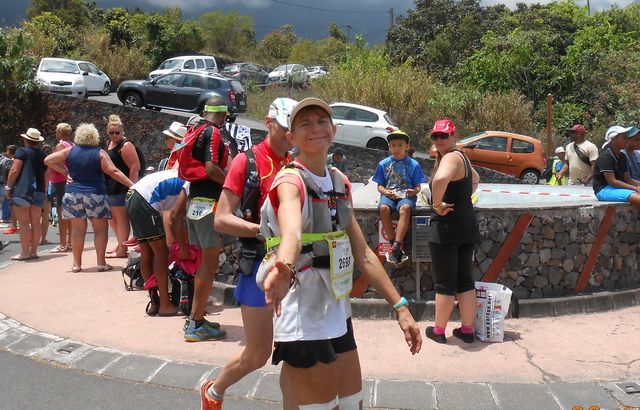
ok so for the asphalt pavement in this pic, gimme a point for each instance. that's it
(57, 325)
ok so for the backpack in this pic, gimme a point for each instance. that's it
(131, 275)
(547, 171)
(190, 169)
(248, 205)
(182, 288)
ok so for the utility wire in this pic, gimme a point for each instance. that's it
(332, 10)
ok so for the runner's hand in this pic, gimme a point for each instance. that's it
(276, 286)
(411, 330)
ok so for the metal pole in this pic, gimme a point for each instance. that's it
(549, 124)
(418, 280)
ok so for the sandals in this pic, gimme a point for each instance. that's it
(104, 268)
(60, 249)
(76, 269)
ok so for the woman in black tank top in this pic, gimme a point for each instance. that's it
(453, 233)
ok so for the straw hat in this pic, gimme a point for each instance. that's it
(32, 135)
(176, 130)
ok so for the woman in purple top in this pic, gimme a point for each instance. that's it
(86, 197)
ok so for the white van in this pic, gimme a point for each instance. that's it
(204, 63)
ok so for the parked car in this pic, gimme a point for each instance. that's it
(245, 72)
(289, 73)
(362, 126)
(71, 77)
(183, 91)
(317, 71)
(506, 152)
(199, 63)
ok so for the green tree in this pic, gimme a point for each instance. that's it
(16, 64)
(229, 34)
(118, 25)
(275, 48)
(168, 36)
(336, 32)
(51, 37)
(74, 13)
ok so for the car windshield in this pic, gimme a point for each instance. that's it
(469, 139)
(286, 67)
(54, 66)
(170, 65)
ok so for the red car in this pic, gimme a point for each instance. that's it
(506, 152)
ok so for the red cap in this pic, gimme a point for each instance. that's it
(444, 127)
(579, 129)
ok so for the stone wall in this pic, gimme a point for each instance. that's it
(548, 259)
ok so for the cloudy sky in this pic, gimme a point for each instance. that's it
(310, 18)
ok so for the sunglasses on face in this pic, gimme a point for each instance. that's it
(435, 137)
(114, 132)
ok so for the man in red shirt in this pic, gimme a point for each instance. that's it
(270, 155)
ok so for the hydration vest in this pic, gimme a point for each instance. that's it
(328, 212)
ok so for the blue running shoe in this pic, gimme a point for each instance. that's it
(211, 325)
(203, 333)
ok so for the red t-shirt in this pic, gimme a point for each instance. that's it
(268, 164)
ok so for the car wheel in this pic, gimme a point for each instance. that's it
(378, 143)
(132, 99)
(106, 90)
(530, 176)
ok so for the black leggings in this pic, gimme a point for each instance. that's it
(452, 265)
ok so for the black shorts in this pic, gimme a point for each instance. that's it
(57, 193)
(452, 266)
(146, 222)
(304, 354)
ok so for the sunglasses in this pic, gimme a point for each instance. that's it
(114, 132)
(443, 136)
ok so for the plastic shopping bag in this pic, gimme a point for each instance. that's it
(492, 305)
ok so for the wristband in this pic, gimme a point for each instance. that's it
(293, 273)
(401, 303)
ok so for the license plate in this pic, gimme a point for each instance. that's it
(242, 103)
(59, 88)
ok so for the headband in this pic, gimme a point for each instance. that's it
(215, 108)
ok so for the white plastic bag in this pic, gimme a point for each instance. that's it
(492, 305)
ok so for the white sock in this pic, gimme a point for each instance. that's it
(214, 394)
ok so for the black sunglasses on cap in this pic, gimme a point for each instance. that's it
(442, 136)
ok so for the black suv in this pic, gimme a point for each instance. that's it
(183, 91)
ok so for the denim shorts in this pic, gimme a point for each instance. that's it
(613, 194)
(395, 204)
(38, 200)
(117, 200)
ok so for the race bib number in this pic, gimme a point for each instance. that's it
(200, 207)
(341, 263)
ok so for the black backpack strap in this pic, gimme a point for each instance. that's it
(583, 157)
(251, 194)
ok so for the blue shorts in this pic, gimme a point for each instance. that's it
(613, 194)
(117, 200)
(247, 291)
(38, 200)
(395, 204)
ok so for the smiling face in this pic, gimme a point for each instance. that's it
(312, 131)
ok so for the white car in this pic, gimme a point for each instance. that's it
(362, 126)
(198, 63)
(290, 73)
(317, 71)
(72, 77)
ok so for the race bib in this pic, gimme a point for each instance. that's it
(200, 207)
(341, 263)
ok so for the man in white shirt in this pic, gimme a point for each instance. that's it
(580, 158)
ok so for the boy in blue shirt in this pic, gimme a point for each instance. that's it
(399, 178)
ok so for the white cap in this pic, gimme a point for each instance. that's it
(560, 150)
(307, 102)
(280, 109)
(613, 132)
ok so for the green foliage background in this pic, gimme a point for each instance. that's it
(484, 67)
